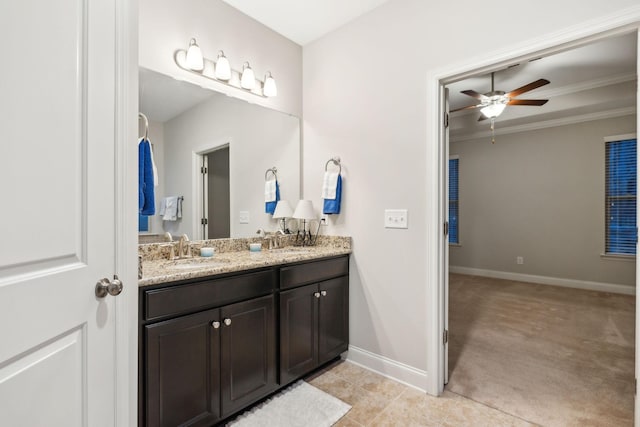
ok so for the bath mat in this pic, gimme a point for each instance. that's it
(300, 405)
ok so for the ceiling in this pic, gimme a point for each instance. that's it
(304, 21)
(593, 81)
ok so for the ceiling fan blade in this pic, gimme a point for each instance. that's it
(536, 102)
(474, 94)
(527, 88)
(468, 107)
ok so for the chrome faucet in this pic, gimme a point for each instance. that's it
(184, 251)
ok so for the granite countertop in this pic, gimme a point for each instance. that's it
(157, 271)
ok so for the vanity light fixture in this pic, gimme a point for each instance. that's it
(223, 69)
(195, 61)
(270, 88)
(248, 80)
(283, 211)
(220, 70)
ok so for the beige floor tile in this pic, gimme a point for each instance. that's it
(347, 422)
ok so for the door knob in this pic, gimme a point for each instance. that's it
(215, 324)
(227, 321)
(111, 287)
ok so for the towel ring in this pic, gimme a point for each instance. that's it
(335, 161)
(146, 125)
(274, 171)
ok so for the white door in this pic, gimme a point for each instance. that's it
(57, 136)
(445, 241)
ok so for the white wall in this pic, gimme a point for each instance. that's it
(365, 99)
(539, 195)
(166, 26)
(258, 138)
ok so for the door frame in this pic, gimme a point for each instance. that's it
(437, 175)
(197, 186)
(125, 352)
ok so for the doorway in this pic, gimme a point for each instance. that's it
(439, 281)
(216, 194)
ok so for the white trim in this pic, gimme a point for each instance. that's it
(126, 222)
(613, 138)
(543, 124)
(546, 280)
(620, 22)
(389, 368)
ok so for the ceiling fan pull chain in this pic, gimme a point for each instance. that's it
(493, 133)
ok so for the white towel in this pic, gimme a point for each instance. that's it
(270, 191)
(170, 208)
(329, 185)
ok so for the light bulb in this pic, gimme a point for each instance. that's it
(248, 80)
(195, 61)
(223, 69)
(493, 110)
(270, 88)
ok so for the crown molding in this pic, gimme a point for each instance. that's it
(543, 124)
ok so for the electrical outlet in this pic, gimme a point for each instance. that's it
(244, 217)
(324, 220)
(519, 260)
(396, 218)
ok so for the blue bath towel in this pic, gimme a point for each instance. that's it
(270, 207)
(146, 191)
(332, 206)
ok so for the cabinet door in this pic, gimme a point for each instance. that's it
(333, 318)
(182, 371)
(298, 332)
(248, 352)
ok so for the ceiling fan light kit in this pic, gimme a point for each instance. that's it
(493, 103)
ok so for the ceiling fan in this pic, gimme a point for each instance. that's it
(493, 103)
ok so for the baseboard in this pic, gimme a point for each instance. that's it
(389, 368)
(545, 280)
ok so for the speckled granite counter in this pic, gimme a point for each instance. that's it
(230, 257)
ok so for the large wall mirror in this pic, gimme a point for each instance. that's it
(193, 129)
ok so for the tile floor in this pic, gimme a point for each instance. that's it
(379, 401)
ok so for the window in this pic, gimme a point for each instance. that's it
(620, 195)
(453, 200)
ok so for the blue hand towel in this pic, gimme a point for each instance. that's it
(270, 207)
(332, 206)
(146, 191)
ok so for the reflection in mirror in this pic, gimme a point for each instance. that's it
(195, 130)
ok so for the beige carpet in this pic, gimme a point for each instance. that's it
(549, 355)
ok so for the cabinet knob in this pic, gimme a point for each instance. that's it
(227, 321)
(323, 293)
(215, 324)
(316, 294)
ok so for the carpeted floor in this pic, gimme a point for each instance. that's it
(549, 355)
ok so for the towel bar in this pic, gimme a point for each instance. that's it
(273, 170)
(335, 161)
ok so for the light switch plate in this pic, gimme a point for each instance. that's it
(396, 218)
(244, 217)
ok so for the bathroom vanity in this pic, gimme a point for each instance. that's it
(215, 342)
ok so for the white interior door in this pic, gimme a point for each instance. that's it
(57, 141)
(445, 241)
(636, 402)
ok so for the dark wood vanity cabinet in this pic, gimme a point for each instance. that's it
(314, 318)
(197, 369)
(211, 347)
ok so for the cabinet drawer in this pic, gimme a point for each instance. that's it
(310, 272)
(191, 297)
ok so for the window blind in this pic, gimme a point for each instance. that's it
(453, 201)
(620, 196)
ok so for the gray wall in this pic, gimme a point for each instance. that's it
(539, 195)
